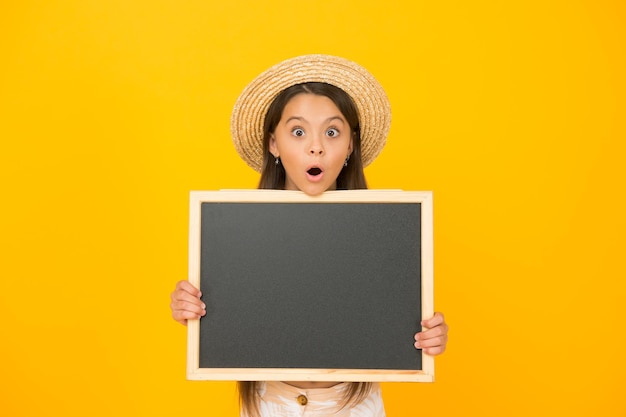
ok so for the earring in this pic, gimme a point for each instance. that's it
(276, 160)
(345, 164)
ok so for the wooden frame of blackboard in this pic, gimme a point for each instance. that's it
(337, 373)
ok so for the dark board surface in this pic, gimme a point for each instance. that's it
(310, 285)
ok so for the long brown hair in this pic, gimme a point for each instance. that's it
(273, 176)
(351, 176)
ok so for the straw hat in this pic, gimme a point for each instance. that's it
(373, 107)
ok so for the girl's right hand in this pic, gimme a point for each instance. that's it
(186, 303)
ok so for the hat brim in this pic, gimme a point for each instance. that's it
(253, 103)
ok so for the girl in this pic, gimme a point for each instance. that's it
(311, 123)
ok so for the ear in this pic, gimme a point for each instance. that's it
(351, 144)
(273, 147)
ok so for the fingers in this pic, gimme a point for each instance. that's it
(435, 320)
(186, 286)
(186, 303)
(434, 339)
(434, 351)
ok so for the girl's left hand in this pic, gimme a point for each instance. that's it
(433, 339)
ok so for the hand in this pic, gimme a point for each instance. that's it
(433, 339)
(186, 303)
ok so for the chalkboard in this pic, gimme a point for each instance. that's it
(327, 288)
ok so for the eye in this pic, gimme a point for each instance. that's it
(299, 132)
(332, 132)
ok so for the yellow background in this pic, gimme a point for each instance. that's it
(511, 112)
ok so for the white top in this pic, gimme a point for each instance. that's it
(282, 400)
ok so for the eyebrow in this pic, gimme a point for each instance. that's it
(330, 119)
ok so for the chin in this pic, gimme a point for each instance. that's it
(314, 193)
(314, 190)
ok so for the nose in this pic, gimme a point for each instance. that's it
(316, 147)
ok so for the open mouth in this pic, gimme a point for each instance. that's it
(314, 171)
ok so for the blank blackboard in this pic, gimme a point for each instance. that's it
(310, 288)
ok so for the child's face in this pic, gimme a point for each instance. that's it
(313, 140)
